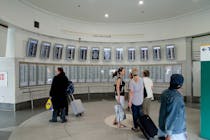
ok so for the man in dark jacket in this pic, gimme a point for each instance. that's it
(58, 95)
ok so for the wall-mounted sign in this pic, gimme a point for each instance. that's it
(205, 53)
(3, 79)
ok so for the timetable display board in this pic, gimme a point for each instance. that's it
(170, 52)
(31, 47)
(107, 54)
(45, 50)
(95, 53)
(119, 54)
(131, 54)
(58, 48)
(70, 52)
(156, 53)
(83, 53)
(144, 53)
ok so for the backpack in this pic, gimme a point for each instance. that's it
(70, 88)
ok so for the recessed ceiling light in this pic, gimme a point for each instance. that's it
(141, 2)
(106, 15)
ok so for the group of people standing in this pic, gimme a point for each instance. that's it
(172, 122)
(136, 101)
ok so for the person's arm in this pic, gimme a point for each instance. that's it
(172, 116)
(130, 94)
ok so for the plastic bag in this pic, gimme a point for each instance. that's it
(48, 104)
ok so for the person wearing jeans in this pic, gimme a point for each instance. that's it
(136, 97)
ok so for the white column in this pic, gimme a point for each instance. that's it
(10, 47)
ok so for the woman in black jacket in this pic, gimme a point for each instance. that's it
(58, 95)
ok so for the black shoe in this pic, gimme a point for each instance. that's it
(63, 121)
(52, 120)
(135, 129)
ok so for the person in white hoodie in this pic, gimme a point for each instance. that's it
(148, 84)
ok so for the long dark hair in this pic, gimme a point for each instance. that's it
(117, 72)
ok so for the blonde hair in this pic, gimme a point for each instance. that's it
(134, 71)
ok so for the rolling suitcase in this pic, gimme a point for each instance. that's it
(76, 106)
(147, 127)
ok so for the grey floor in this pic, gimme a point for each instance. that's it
(27, 124)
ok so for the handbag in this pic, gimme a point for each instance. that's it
(120, 114)
(145, 92)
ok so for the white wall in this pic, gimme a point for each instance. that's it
(17, 13)
(7, 94)
(22, 94)
(3, 39)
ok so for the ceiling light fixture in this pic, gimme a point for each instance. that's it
(141, 2)
(106, 15)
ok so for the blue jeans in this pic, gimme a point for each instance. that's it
(62, 115)
(137, 112)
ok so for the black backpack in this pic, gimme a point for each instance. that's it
(70, 88)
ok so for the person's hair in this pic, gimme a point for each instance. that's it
(60, 69)
(176, 81)
(117, 72)
(130, 75)
(146, 73)
(134, 72)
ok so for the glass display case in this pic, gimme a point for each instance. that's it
(50, 73)
(23, 75)
(32, 75)
(41, 74)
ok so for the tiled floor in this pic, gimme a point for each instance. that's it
(93, 125)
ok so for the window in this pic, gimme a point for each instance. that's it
(70, 52)
(32, 74)
(107, 54)
(50, 73)
(95, 53)
(45, 50)
(156, 53)
(170, 52)
(41, 74)
(144, 54)
(119, 54)
(58, 48)
(131, 54)
(23, 75)
(83, 53)
(31, 47)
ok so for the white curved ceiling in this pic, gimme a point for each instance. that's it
(120, 11)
